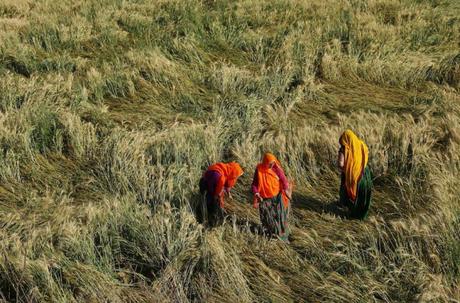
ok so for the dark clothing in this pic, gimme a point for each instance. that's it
(208, 184)
(360, 208)
(274, 216)
(215, 213)
(211, 178)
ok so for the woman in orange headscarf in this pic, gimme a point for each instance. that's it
(271, 195)
(356, 184)
(218, 179)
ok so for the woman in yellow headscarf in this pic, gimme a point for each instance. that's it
(356, 185)
(271, 195)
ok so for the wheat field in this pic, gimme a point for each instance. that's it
(110, 110)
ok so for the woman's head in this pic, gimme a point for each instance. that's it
(347, 138)
(269, 160)
(234, 170)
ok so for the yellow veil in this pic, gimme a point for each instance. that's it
(356, 156)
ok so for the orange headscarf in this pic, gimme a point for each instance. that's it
(234, 171)
(269, 158)
(356, 155)
(269, 183)
(229, 174)
(230, 171)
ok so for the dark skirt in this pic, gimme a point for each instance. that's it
(215, 213)
(359, 209)
(211, 212)
(274, 217)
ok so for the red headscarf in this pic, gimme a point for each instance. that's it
(269, 182)
(231, 171)
(270, 158)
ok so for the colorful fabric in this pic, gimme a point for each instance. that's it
(274, 217)
(269, 182)
(228, 174)
(279, 172)
(212, 178)
(211, 212)
(360, 208)
(356, 156)
(269, 158)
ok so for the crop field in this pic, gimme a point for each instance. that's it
(110, 111)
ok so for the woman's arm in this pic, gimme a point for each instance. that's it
(285, 187)
(219, 189)
(341, 159)
(283, 180)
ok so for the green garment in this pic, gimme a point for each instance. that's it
(274, 217)
(359, 208)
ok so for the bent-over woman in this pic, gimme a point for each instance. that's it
(271, 195)
(356, 181)
(218, 179)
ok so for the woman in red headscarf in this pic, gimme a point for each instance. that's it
(218, 179)
(271, 195)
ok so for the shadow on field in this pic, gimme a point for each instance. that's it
(198, 207)
(301, 201)
(229, 216)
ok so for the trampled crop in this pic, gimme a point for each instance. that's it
(110, 110)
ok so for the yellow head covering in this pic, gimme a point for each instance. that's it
(356, 156)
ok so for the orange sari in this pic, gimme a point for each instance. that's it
(268, 181)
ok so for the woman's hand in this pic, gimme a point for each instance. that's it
(256, 201)
(340, 160)
(227, 192)
(229, 195)
(288, 193)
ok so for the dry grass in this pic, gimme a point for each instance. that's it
(110, 110)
